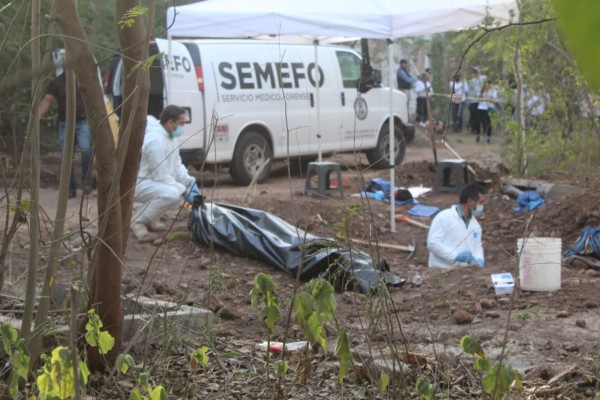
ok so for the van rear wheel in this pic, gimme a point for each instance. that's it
(252, 156)
(379, 157)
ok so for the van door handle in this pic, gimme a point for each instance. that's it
(312, 100)
(343, 99)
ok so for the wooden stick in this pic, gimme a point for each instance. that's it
(458, 156)
(385, 245)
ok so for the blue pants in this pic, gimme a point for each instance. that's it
(83, 143)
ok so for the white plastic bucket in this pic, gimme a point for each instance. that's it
(540, 263)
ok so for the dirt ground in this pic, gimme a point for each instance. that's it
(546, 333)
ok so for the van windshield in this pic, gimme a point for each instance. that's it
(350, 67)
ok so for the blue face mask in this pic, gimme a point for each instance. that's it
(178, 132)
(477, 211)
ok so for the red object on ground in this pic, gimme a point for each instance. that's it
(345, 183)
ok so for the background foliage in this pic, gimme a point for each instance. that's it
(568, 137)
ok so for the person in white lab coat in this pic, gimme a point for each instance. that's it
(163, 181)
(454, 237)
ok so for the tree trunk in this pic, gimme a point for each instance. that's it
(106, 267)
(136, 86)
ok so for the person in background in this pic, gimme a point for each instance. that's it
(536, 107)
(486, 104)
(430, 72)
(422, 89)
(57, 90)
(405, 80)
(475, 84)
(163, 181)
(458, 89)
(454, 238)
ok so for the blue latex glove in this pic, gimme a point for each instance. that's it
(466, 257)
(479, 262)
(191, 192)
(378, 195)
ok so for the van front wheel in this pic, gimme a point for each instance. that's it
(252, 156)
(379, 157)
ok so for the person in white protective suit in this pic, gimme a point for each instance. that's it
(454, 238)
(163, 181)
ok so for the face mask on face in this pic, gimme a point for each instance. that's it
(178, 132)
(477, 211)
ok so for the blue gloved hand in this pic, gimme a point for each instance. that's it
(191, 192)
(465, 256)
(379, 195)
(479, 262)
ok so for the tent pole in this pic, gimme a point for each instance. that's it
(318, 80)
(169, 85)
(391, 125)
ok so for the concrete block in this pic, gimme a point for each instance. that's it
(156, 328)
(147, 305)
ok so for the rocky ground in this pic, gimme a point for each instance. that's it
(550, 337)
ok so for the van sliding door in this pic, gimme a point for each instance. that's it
(359, 111)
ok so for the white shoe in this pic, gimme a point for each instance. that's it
(156, 226)
(140, 231)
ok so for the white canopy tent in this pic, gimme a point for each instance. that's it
(327, 21)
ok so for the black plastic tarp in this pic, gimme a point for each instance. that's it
(262, 236)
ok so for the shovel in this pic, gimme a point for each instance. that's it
(410, 248)
(404, 218)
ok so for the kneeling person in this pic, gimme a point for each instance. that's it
(163, 181)
(455, 235)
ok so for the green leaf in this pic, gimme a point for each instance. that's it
(21, 363)
(314, 331)
(159, 393)
(482, 364)
(270, 315)
(144, 380)
(264, 283)
(423, 387)
(95, 337)
(200, 356)
(9, 335)
(129, 17)
(136, 395)
(579, 22)
(506, 377)
(471, 346)
(342, 350)
(303, 305)
(124, 363)
(106, 342)
(323, 294)
(384, 381)
(281, 368)
(13, 389)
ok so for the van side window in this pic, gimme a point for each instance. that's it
(350, 67)
(157, 84)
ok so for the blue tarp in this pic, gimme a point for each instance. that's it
(382, 185)
(421, 210)
(529, 200)
(587, 244)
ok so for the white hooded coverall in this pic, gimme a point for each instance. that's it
(162, 179)
(448, 236)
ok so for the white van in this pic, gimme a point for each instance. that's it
(252, 101)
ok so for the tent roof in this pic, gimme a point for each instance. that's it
(373, 19)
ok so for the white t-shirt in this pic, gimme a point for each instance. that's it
(460, 91)
(420, 88)
(485, 104)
